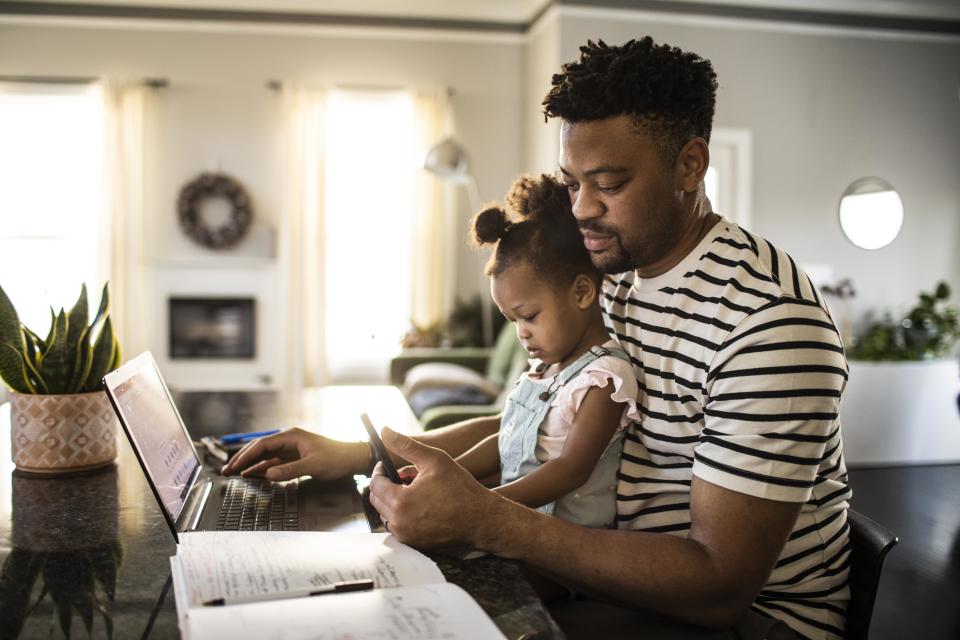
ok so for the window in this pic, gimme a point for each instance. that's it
(369, 199)
(728, 179)
(51, 197)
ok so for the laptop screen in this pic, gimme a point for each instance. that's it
(146, 409)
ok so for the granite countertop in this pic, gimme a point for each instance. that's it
(88, 553)
(504, 593)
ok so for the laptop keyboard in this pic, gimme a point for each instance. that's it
(253, 504)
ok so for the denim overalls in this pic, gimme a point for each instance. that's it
(594, 503)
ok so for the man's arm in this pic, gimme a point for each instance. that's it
(295, 452)
(708, 579)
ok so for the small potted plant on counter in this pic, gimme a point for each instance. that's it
(60, 418)
(928, 331)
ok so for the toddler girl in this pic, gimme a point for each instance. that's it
(560, 438)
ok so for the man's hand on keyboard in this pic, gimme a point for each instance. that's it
(294, 453)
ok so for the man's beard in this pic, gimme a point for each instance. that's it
(616, 259)
(619, 258)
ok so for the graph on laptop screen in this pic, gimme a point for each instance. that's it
(162, 443)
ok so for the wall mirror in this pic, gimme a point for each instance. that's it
(871, 213)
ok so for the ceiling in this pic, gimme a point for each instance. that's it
(519, 13)
(511, 11)
(935, 9)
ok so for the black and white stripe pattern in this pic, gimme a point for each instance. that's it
(740, 370)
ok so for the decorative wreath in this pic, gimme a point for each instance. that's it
(214, 185)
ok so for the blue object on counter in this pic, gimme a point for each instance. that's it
(243, 437)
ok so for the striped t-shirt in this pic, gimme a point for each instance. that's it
(740, 370)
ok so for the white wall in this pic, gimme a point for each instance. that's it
(826, 108)
(217, 111)
(217, 106)
(542, 61)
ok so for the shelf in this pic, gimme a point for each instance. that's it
(212, 262)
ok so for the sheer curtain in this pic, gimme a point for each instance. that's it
(435, 245)
(125, 111)
(313, 243)
(302, 235)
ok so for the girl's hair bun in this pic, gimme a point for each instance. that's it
(538, 197)
(490, 225)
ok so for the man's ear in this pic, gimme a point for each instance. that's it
(692, 164)
(584, 291)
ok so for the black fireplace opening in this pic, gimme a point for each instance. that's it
(212, 328)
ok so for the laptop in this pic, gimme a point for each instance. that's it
(193, 497)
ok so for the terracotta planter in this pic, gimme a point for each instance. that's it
(59, 433)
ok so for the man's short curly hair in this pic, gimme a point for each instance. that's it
(668, 90)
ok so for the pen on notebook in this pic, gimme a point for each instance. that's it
(336, 587)
(243, 437)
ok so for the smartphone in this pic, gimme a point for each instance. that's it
(382, 455)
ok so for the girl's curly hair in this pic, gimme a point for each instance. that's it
(535, 225)
(671, 91)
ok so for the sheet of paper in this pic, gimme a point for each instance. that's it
(225, 564)
(428, 612)
(179, 591)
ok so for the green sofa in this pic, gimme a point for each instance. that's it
(501, 365)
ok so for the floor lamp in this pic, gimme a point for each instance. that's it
(449, 161)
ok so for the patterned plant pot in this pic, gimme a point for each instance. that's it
(58, 433)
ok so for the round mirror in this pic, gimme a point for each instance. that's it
(871, 213)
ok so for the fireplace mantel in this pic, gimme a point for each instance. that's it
(236, 277)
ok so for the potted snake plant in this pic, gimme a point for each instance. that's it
(60, 418)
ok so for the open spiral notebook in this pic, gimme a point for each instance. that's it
(248, 575)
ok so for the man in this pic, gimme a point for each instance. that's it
(732, 491)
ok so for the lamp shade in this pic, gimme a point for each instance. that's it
(449, 160)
